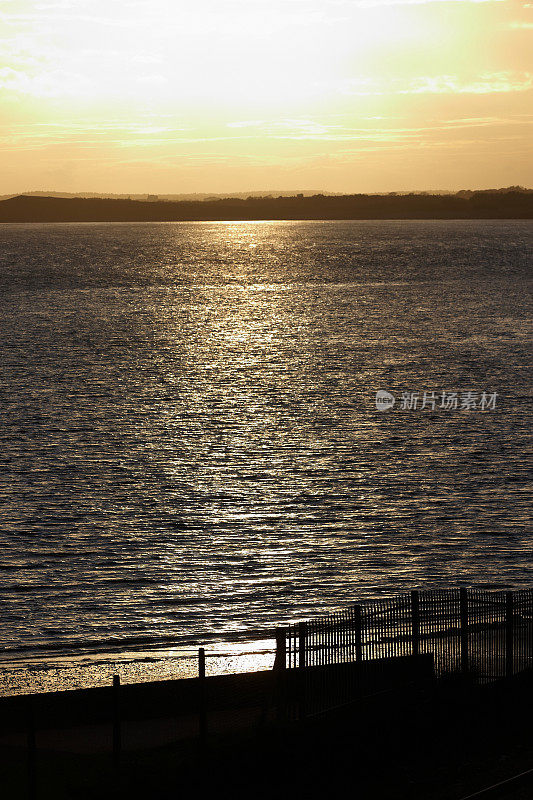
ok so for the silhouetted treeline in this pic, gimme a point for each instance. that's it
(463, 205)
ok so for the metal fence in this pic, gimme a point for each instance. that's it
(488, 635)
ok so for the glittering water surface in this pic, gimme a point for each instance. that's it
(189, 443)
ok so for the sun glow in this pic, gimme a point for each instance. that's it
(216, 94)
(161, 52)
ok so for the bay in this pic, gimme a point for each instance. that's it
(190, 450)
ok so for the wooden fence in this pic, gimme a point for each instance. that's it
(488, 635)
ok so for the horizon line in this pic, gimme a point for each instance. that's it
(259, 192)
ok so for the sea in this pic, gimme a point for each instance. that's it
(191, 452)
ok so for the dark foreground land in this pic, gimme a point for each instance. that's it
(464, 205)
(419, 741)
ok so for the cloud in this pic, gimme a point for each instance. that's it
(487, 83)
(88, 133)
(310, 130)
(373, 3)
(53, 83)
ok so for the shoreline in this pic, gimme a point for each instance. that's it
(42, 674)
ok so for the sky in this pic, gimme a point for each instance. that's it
(172, 96)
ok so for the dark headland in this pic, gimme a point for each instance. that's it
(514, 203)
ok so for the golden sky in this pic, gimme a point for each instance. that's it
(169, 96)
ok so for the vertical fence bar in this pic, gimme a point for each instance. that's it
(463, 614)
(290, 647)
(358, 633)
(202, 711)
(509, 634)
(117, 729)
(415, 622)
(302, 643)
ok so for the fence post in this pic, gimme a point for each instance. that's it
(32, 752)
(358, 633)
(201, 697)
(463, 611)
(415, 620)
(117, 732)
(280, 661)
(509, 634)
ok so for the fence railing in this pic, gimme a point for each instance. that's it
(488, 635)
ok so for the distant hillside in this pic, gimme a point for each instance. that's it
(513, 203)
(268, 194)
(175, 197)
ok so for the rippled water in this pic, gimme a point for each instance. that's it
(189, 443)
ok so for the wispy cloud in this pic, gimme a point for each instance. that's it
(487, 83)
(309, 130)
(51, 83)
(373, 3)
